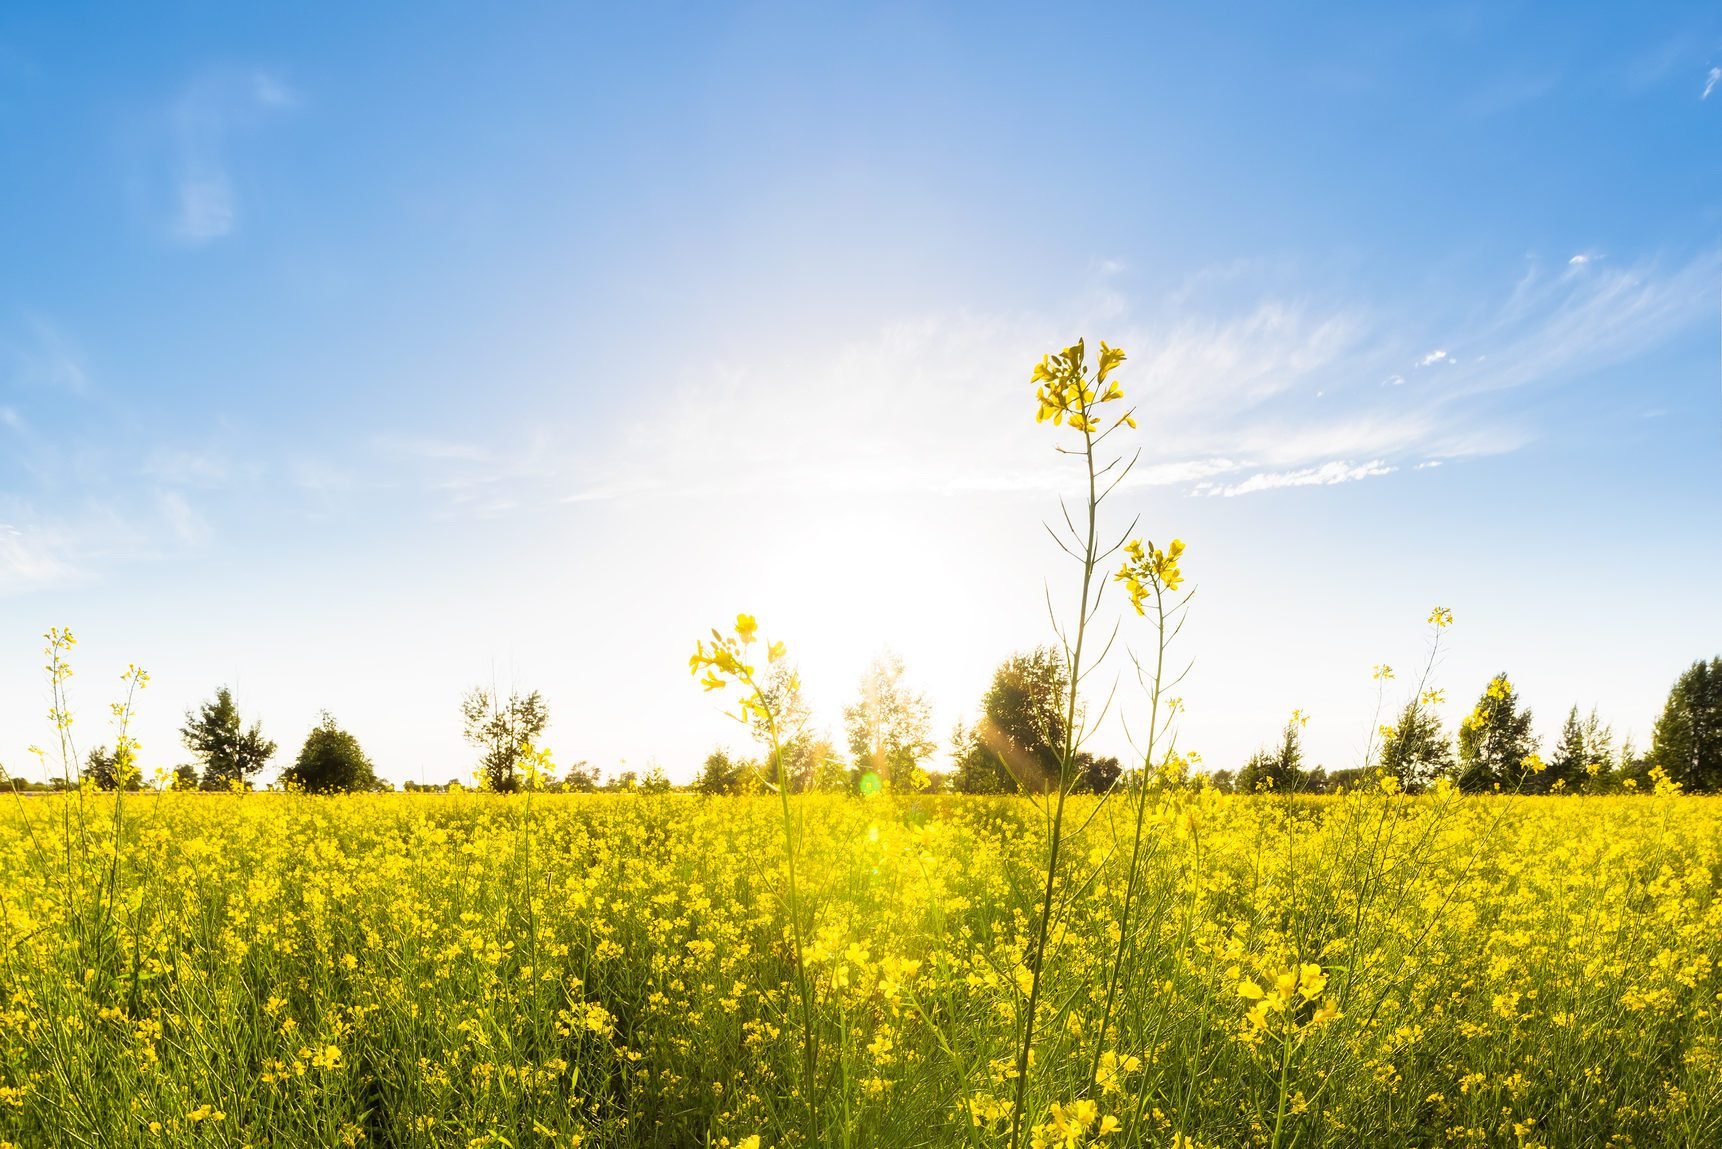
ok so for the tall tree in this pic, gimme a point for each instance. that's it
(889, 724)
(1279, 768)
(1021, 730)
(503, 732)
(230, 752)
(583, 778)
(1495, 741)
(798, 746)
(717, 774)
(1687, 739)
(1417, 751)
(975, 768)
(1583, 753)
(330, 762)
(104, 768)
(1095, 775)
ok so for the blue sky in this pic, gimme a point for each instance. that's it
(354, 357)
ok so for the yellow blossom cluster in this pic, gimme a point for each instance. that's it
(1148, 570)
(1066, 392)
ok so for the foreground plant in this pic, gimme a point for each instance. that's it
(1070, 394)
(1151, 577)
(726, 665)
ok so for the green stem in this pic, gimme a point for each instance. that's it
(1055, 831)
(810, 1043)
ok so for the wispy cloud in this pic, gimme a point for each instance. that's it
(1326, 475)
(38, 354)
(465, 477)
(939, 405)
(1224, 394)
(28, 560)
(204, 121)
(47, 542)
(181, 467)
(1558, 325)
(1711, 79)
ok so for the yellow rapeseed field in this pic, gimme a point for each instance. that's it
(543, 970)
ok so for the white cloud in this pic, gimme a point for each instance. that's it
(206, 210)
(207, 116)
(186, 524)
(186, 468)
(942, 405)
(1555, 327)
(417, 447)
(1711, 79)
(28, 561)
(42, 356)
(1326, 475)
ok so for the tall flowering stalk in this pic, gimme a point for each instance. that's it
(1151, 576)
(726, 664)
(1071, 395)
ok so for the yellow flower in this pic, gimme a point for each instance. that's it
(1110, 357)
(1147, 568)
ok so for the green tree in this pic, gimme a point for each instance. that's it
(330, 762)
(583, 778)
(975, 769)
(1095, 775)
(888, 725)
(1687, 739)
(503, 732)
(719, 775)
(799, 748)
(230, 752)
(1279, 768)
(1583, 754)
(1417, 751)
(1020, 734)
(102, 767)
(1495, 742)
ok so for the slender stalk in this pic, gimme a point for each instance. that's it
(1055, 835)
(1133, 878)
(810, 1041)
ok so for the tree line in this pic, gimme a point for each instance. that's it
(1495, 748)
(1012, 746)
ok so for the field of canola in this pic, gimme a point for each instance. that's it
(467, 970)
